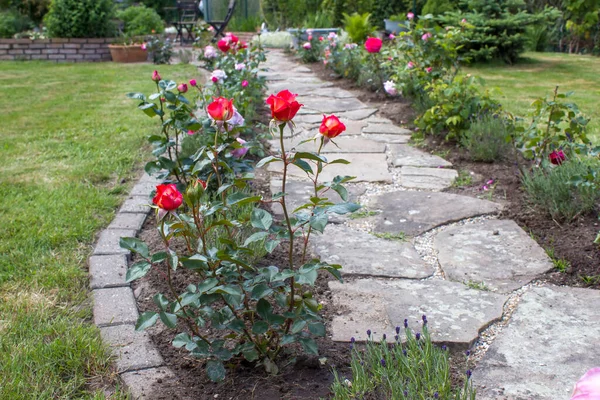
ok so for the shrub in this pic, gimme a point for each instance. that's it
(141, 20)
(551, 189)
(161, 49)
(160, 6)
(437, 7)
(358, 26)
(11, 23)
(416, 369)
(488, 138)
(33, 10)
(498, 28)
(80, 18)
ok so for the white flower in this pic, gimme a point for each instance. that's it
(390, 88)
(240, 66)
(348, 383)
(219, 75)
(210, 52)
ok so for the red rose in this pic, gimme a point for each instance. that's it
(232, 38)
(243, 45)
(557, 157)
(167, 197)
(221, 109)
(283, 105)
(373, 45)
(331, 126)
(223, 45)
(201, 183)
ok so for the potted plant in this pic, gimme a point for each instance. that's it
(128, 49)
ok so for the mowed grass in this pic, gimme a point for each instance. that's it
(70, 143)
(538, 74)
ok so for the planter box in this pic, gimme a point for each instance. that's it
(394, 26)
(128, 54)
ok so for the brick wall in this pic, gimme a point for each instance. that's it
(58, 50)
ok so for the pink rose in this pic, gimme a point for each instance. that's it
(193, 82)
(244, 83)
(410, 16)
(426, 36)
(428, 69)
(588, 387)
(182, 88)
(410, 65)
(155, 76)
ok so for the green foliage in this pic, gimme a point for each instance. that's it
(582, 17)
(80, 18)
(546, 31)
(141, 20)
(551, 189)
(161, 50)
(384, 9)
(457, 103)
(415, 369)
(11, 23)
(437, 7)
(33, 10)
(488, 138)
(310, 51)
(464, 178)
(497, 28)
(249, 24)
(555, 124)
(358, 26)
(320, 19)
(160, 6)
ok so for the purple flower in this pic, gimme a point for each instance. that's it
(240, 151)
(444, 347)
(383, 362)
(398, 330)
(469, 373)
(424, 318)
(406, 323)
(468, 353)
(396, 337)
(368, 332)
(384, 336)
(418, 336)
(404, 352)
(352, 340)
(436, 395)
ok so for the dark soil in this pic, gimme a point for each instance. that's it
(571, 241)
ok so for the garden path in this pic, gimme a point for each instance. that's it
(415, 250)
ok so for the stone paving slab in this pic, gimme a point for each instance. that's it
(136, 204)
(114, 306)
(496, 252)
(344, 145)
(128, 221)
(456, 313)
(360, 253)
(427, 178)
(108, 241)
(417, 212)
(389, 139)
(367, 167)
(140, 383)
(357, 114)
(388, 129)
(108, 271)
(549, 343)
(133, 350)
(407, 156)
(298, 193)
(325, 105)
(301, 89)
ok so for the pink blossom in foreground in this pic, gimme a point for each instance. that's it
(240, 151)
(193, 82)
(588, 387)
(306, 46)
(410, 16)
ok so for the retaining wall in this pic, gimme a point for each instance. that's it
(58, 50)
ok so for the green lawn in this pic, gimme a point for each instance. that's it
(537, 76)
(69, 144)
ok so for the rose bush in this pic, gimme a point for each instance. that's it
(213, 226)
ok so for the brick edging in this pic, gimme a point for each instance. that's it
(138, 361)
(58, 50)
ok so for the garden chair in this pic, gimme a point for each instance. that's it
(220, 26)
(186, 17)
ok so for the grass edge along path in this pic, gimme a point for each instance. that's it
(537, 74)
(71, 143)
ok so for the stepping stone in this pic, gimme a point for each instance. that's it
(496, 252)
(344, 145)
(389, 129)
(405, 155)
(417, 212)
(549, 343)
(301, 68)
(366, 167)
(302, 89)
(353, 127)
(298, 193)
(357, 114)
(456, 314)
(391, 139)
(427, 178)
(360, 253)
(331, 105)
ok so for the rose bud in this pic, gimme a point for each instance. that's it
(283, 105)
(215, 79)
(244, 83)
(223, 45)
(557, 157)
(155, 76)
(193, 82)
(167, 197)
(373, 45)
(221, 109)
(331, 126)
(182, 87)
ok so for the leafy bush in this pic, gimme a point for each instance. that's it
(320, 19)
(160, 6)
(358, 26)
(437, 7)
(11, 23)
(160, 49)
(416, 369)
(33, 10)
(249, 24)
(141, 20)
(552, 190)
(488, 138)
(310, 51)
(80, 18)
(384, 9)
(497, 28)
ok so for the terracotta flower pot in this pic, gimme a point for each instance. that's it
(128, 53)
